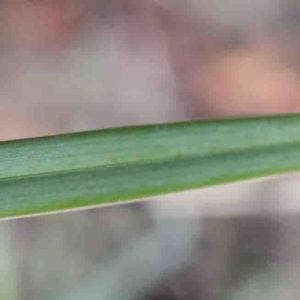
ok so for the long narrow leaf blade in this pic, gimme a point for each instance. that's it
(100, 167)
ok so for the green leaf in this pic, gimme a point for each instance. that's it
(99, 167)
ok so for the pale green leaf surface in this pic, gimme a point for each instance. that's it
(99, 167)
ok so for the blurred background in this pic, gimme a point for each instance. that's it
(73, 65)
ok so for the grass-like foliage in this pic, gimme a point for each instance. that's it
(100, 167)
